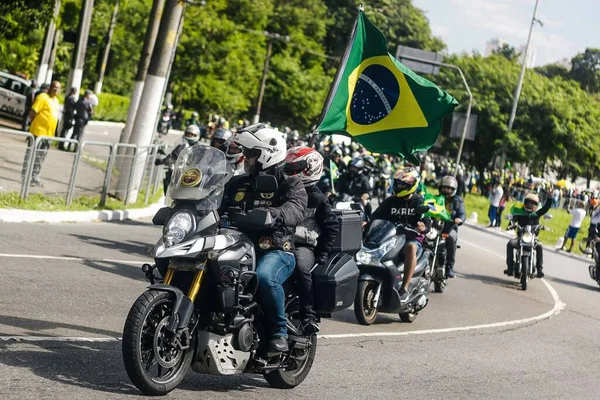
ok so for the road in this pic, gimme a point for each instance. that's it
(482, 338)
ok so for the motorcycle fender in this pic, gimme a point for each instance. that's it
(368, 277)
(183, 307)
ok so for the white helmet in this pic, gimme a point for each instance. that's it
(304, 162)
(267, 143)
(192, 134)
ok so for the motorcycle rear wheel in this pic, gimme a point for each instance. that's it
(289, 379)
(143, 335)
(364, 311)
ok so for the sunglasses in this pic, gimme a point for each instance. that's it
(251, 153)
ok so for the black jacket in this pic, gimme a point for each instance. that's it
(533, 218)
(354, 184)
(172, 157)
(456, 209)
(287, 205)
(325, 218)
(395, 209)
(69, 108)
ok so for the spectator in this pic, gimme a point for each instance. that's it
(68, 115)
(502, 205)
(496, 196)
(84, 111)
(44, 118)
(571, 233)
(555, 197)
(29, 99)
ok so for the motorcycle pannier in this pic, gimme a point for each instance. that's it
(335, 284)
(350, 234)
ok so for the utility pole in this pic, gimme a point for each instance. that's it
(57, 38)
(142, 69)
(143, 127)
(513, 112)
(47, 49)
(111, 28)
(263, 82)
(83, 32)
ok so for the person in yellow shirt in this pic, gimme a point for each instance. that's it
(44, 119)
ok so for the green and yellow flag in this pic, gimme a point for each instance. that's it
(381, 103)
(437, 206)
(519, 209)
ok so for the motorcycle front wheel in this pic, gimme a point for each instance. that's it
(364, 303)
(524, 272)
(154, 365)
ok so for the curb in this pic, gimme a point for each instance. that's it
(510, 236)
(16, 215)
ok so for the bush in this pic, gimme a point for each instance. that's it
(111, 107)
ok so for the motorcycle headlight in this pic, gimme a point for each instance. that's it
(432, 234)
(527, 237)
(373, 256)
(178, 227)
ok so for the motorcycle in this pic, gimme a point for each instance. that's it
(205, 314)
(163, 124)
(435, 241)
(525, 258)
(381, 265)
(592, 268)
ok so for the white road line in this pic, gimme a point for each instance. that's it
(556, 309)
(7, 255)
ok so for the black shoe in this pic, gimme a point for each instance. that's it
(279, 344)
(450, 272)
(540, 273)
(310, 325)
(508, 272)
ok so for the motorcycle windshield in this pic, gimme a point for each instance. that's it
(378, 232)
(199, 175)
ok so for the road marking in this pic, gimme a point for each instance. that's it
(556, 309)
(131, 262)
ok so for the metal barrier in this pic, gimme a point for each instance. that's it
(76, 169)
(30, 142)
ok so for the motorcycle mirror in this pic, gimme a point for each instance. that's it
(161, 216)
(508, 217)
(548, 216)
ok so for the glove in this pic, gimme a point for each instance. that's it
(321, 258)
(158, 162)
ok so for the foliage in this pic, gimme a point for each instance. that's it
(508, 52)
(20, 17)
(585, 69)
(111, 107)
(553, 71)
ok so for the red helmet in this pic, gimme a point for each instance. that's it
(305, 162)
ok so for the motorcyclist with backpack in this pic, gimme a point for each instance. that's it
(402, 208)
(316, 235)
(264, 150)
(530, 205)
(456, 208)
(191, 137)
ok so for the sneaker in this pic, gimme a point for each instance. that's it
(36, 184)
(540, 273)
(403, 297)
(450, 272)
(279, 344)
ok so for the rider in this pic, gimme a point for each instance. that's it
(194, 120)
(235, 158)
(220, 137)
(264, 152)
(530, 204)
(456, 208)
(315, 236)
(191, 137)
(355, 184)
(401, 208)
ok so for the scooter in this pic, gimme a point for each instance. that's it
(381, 265)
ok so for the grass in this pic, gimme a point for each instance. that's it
(558, 224)
(41, 202)
(99, 163)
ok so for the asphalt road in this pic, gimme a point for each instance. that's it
(482, 338)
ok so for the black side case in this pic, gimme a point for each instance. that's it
(335, 284)
(350, 234)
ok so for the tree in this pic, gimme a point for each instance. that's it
(19, 17)
(553, 71)
(585, 69)
(508, 52)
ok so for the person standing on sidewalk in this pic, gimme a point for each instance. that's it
(29, 99)
(578, 214)
(84, 111)
(502, 206)
(68, 115)
(44, 119)
(496, 196)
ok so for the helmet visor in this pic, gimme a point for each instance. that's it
(530, 205)
(295, 167)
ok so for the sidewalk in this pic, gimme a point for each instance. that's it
(55, 173)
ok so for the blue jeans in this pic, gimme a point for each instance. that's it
(492, 214)
(274, 268)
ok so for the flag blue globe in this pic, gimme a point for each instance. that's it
(375, 95)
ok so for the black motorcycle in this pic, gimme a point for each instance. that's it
(205, 314)
(381, 265)
(592, 268)
(435, 241)
(525, 258)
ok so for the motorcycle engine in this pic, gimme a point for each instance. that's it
(244, 338)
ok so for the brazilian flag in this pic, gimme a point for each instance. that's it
(437, 207)
(381, 103)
